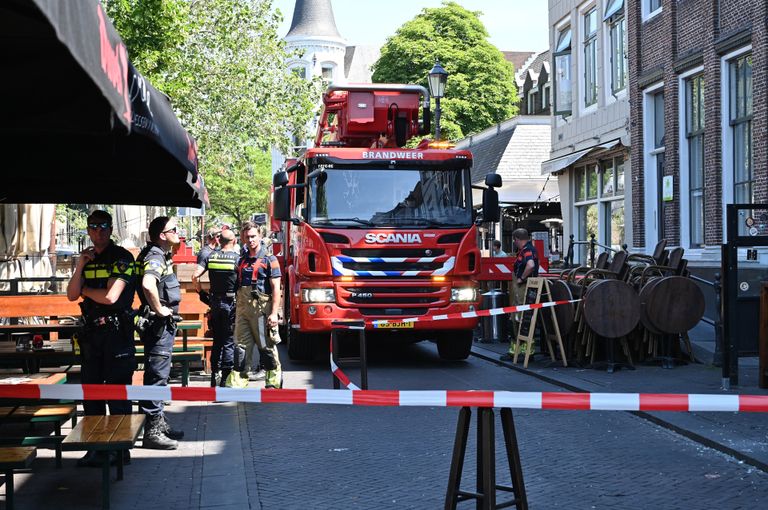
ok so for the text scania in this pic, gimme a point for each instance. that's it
(392, 238)
(393, 155)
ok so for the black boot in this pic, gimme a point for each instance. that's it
(154, 437)
(92, 458)
(166, 429)
(217, 378)
(224, 376)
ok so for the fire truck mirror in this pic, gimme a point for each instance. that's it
(493, 180)
(280, 179)
(282, 204)
(490, 205)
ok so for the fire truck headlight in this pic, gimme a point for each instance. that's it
(463, 294)
(318, 296)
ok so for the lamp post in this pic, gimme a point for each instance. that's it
(437, 78)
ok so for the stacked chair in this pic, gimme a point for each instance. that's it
(643, 302)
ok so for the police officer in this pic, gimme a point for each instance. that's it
(160, 291)
(258, 302)
(104, 278)
(211, 245)
(222, 270)
(526, 266)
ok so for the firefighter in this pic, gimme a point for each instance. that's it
(222, 271)
(526, 266)
(104, 278)
(160, 295)
(258, 302)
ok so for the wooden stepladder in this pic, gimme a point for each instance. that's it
(537, 290)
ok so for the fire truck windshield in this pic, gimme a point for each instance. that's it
(418, 198)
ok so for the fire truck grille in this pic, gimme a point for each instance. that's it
(385, 312)
(393, 266)
(395, 252)
(380, 297)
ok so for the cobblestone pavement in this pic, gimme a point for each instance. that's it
(251, 456)
(341, 457)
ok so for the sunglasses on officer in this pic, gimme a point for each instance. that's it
(104, 225)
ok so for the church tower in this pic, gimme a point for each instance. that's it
(322, 49)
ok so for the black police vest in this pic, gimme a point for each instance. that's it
(113, 262)
(168, 286)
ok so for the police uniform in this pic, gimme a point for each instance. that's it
(204, 254)
(108, 350)
(158, 337)
(254, 304)
(222, 273)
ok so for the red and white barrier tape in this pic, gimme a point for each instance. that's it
(338, 374)
(510, 399)
(478, 313)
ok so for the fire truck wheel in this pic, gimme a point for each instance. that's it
(454, 346)
(301, 347)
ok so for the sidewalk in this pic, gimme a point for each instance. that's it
(742, 435)
(213, 468)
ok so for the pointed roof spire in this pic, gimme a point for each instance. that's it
(313, 18)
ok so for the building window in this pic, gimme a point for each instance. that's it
(327, 74)
(694, 133)
(563, 86)
(651, 8)
(599, 203)
(617, 27)
(741, 125)
(590, 57)
(545, 99)
(532, 101)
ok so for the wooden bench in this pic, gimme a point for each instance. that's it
(57, 414)
(113, 433)
(11, 458)
(180, 356)
(207, 344)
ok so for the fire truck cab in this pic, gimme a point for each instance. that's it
(374, 231)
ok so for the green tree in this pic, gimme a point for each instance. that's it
(481, 88)
(223, 65)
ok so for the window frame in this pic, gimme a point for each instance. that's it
(546, 96)
(589, 76)
(695, 126)
(563, 51)
(726, 133)
(602, 201)
(619, 20)
(648, 12)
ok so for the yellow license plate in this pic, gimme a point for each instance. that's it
(395, 325)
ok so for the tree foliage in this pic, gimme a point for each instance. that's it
(481, 88)
(223, 65)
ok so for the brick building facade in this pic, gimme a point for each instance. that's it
(698, 107)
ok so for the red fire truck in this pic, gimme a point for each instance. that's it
(375, 231)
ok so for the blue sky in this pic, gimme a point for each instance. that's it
(513, 25)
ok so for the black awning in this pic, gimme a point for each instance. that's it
(79, 123)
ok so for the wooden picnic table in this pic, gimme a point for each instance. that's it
(185, 327)
(113, 433)
(31, 359)
(39, 378)
(9, 330)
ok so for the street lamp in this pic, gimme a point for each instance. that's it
(437, 79)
